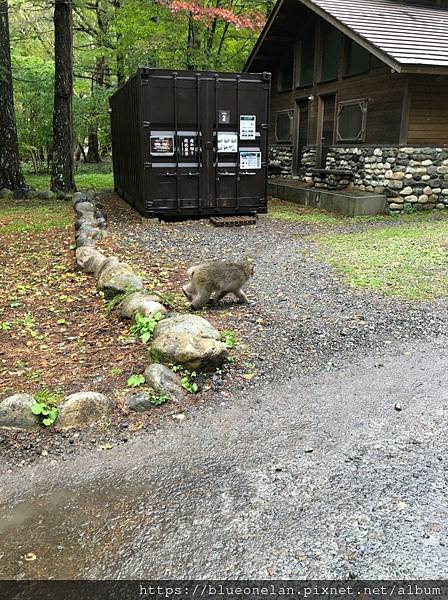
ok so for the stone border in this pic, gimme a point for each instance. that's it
(115, 279)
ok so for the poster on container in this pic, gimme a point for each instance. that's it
(247, 127)
(162, 145)
(227, 141)
(250, 160)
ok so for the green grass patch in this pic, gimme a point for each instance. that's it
(295, 213)
(84, 181)
(23, 216)
(408, 261)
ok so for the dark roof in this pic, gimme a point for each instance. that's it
(410, 36)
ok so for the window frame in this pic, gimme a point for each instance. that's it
(299, 56)
(290, 112)
(321, 78)
(345, 72)
(281, 89)
(363, 105)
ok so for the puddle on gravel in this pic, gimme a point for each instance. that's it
(71, 531)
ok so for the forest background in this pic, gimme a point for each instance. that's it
(111, 39)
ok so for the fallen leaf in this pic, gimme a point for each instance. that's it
(30, 556)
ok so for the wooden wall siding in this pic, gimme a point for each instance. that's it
(428, 111)
(384, 90)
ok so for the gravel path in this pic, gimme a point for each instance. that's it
(302, 318)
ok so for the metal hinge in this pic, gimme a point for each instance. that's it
(146, 123)
(147, 165)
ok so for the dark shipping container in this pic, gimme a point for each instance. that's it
(188, 143)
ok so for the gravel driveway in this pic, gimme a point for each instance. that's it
(301, 317)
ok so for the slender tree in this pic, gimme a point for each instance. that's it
(62, 177)
(10, 171)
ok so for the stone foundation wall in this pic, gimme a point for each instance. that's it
(411, 178)
(280, 161)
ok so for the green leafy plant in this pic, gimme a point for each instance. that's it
(143, 327)
(229, 339)
(136, 381)
(5, 325)
(158, 400)
(45, 407)
(187, 381)
(27, 320)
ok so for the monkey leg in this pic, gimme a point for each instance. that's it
(219, 296)
(241, 296)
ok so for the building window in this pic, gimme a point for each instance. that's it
(351, 121)
(283, 126)
(331, 53)
(306, 60)
(357, 59)
(286, 72)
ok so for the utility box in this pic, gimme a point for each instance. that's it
(191, 144)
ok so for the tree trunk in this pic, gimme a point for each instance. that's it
(119, 50)
(10, 170)
(62, 177)
(93, 152)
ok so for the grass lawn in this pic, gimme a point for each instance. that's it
(408, 261)
(87, 177)
(294, 213)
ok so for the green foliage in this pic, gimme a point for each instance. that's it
(45, 405)
(115, 372)
(116, 300)
(187, 378)
(143, 327)
(84, 181)
(108, 35)
(157, 400)
(229, 338)
(136, 381)
(188, 383)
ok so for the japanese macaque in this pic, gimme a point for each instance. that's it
(218, 277)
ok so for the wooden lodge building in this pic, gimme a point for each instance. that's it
(360, 96)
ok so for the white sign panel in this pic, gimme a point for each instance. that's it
(247, 127)
(250, 160)
(227, 141)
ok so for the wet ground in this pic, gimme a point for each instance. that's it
(331, 462)
(314, 478)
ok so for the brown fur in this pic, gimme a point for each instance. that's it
(218, 277)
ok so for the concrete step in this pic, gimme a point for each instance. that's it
(351, 203)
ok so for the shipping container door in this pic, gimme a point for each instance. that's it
(172, 142)
(240, 142)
